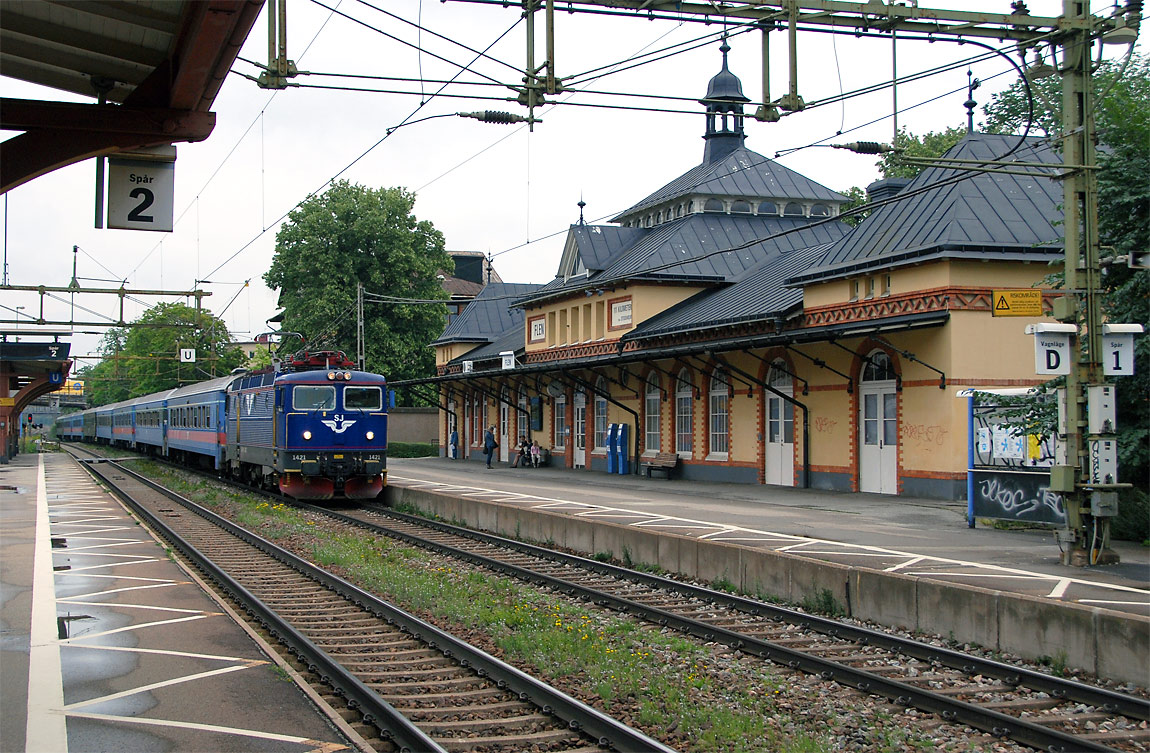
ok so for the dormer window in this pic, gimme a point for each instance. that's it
(793, 209)
(820, 210)
(741, 207)
(714, 205)
(768, 207)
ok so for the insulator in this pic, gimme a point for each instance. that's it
(494, 116)
(867, 147)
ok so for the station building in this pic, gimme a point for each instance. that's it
(733, 320)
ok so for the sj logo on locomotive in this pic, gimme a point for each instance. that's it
(339, 426)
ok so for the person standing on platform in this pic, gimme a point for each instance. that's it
(489, 445)
(453, 444)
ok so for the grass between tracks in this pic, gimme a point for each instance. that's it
(690, 696)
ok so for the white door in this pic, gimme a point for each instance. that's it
(504, 444)
(580, 429)
(780, 448)
(878, 438)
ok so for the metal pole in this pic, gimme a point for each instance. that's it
(359, 337)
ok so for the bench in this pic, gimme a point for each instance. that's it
(663, 461)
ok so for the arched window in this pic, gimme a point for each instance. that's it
(713, 205)
(719, 410)
(768, 207)
(651, 410)
(690, 206)
(684, 413)
(878, 368)
(600, 414)
(678, 211)
(820, 210)
(793, 209)
(741, 207)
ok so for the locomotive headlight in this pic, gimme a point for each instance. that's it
(307, 434)
(370, 436)
(331, 375)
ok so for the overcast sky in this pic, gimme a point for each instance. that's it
(497, 189)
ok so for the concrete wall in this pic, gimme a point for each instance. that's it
(1111, 644)
(412, 425)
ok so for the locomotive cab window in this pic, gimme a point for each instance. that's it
(362, 398)
(308, 397)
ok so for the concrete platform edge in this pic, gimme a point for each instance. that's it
(1110, 644)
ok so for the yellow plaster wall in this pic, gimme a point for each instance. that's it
(446, 353)
(646, 301)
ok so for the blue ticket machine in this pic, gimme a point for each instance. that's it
(612, 460)
(623, 465)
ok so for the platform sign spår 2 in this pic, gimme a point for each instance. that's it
(141, 194)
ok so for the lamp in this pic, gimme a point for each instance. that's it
(1040, 70)
(1120, 34)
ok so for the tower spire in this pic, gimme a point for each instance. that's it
(724, 102)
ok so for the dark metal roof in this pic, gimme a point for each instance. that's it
(743, 174)
(759, 296)
(598, 245)
(513, 339)
(989, 215)
(691, 251)
(488, 316)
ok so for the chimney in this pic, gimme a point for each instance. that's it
(885, 188)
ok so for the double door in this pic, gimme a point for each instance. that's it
(878, 438)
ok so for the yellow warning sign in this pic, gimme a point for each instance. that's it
(1017, 303)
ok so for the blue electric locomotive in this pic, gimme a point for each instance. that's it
(317, 429)
(320, 430)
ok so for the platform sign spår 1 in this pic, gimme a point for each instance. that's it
(1023, 302)
(141, 194)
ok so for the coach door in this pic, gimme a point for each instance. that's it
(780, 447)
(580, 429)
(878, 429)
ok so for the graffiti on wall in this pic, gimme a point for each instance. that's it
(1016, 495)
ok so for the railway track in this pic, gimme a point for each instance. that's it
(1041, 711)
(405, 684)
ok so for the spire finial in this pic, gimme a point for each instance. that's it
(971, 84)
(581, 204)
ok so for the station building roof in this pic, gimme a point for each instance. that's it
(488, 316)
(986, 215)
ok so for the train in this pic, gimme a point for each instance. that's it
(314, 427)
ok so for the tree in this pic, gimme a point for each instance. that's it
(930, 145)
(145, 357)
(1122, 114)
(353, 234)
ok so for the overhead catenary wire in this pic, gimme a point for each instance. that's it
(349, 165)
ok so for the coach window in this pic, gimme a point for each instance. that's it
(362, 398)
(312, 397)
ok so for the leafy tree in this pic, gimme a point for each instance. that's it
(145, 357)
(856, 197)
(931, 144)
(351, 234)
(1122, 113)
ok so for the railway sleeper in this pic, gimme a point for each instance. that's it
(414, 701)
(521, 720)
(510, 743)
(417, 714)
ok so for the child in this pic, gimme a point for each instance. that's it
(535, 453)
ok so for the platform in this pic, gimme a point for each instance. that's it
(899, 560)
(110, 645)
